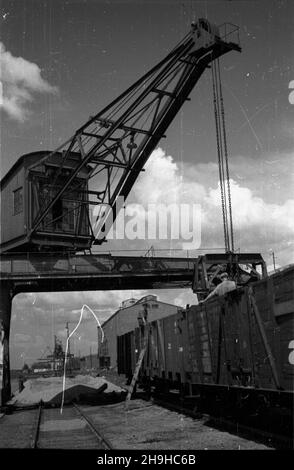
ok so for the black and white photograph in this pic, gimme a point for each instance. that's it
(147, 228)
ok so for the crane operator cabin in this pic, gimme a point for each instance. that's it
(27, 188)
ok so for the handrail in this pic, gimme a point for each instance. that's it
(232, 30)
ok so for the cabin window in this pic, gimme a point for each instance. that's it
(17, 201)
(57, 213)
(204, 26)
(70, 214)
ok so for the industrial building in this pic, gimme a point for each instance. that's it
(125, 319)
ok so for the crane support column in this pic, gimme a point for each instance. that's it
(5, 316)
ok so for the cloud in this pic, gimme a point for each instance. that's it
(262, 199)
(160, 181)
(184, 298)
(72, 302)
(52, 308)
(19, 81)
(252, 211)
(21, 338)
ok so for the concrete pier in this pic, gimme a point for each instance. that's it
(5, 317)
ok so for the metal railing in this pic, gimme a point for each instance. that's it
(229, 32)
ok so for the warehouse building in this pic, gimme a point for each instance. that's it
(125, 319)
(89, 363)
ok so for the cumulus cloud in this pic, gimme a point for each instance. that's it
(262, 199)
(19, 81)
(251, 211)
(160, 182)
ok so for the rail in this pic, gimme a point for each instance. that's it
(105, 443)
(36, 428)
(34, 441)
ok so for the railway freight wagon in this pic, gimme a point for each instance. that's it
(238, 348)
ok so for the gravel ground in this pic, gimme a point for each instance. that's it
(148, 426)
(143, 426)
(16, 429)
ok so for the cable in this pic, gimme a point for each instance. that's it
(219, 154)
(222, 152)
(226, 158)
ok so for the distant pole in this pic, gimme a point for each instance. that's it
(274, 259)
(97, 342)
(67, 337)
(54, 352)
(68, 346)
(90, 357)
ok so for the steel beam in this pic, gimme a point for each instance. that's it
(5, 317)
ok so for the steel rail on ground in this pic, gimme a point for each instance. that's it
(102, 440)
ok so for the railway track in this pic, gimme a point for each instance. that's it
(36, 427)
(72, 428)
(80, 428)
(101, 439)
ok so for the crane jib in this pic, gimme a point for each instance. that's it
(113, 146)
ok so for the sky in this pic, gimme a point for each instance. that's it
(62, 61)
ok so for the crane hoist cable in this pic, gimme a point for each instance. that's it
(220, 156)
(222, 152)
(226, 159)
